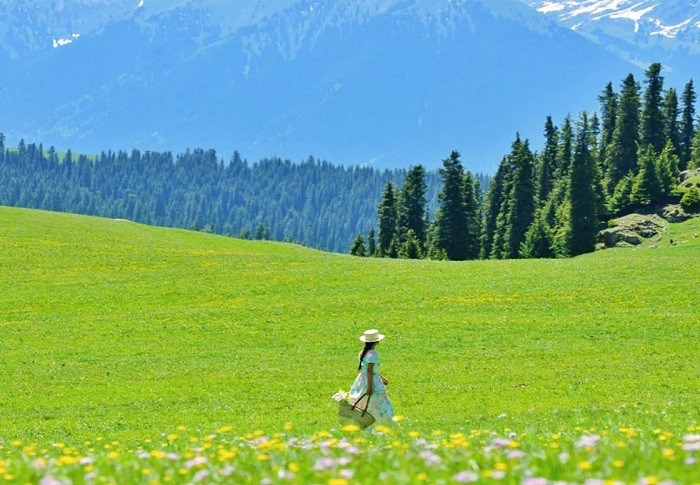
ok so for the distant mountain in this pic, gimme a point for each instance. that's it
(640, 30)
(378, 82)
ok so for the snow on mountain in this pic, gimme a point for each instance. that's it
(639, 30)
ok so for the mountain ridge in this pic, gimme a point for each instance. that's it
(381, 83)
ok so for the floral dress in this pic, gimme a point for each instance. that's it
(380, 406)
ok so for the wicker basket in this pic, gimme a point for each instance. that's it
(351, 412)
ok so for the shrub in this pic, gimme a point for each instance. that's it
(691, 200)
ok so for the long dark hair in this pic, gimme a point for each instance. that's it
(368, 346)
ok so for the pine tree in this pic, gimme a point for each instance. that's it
(358, 247)
(608, 109)
(371, 243)
(410, 248)
(451, 219)
(667, 168)
(387, 221)
(582, 195)
(621, 154)
(687, 127)
(548, 162)
(538, 240)
(471, 207)
(652, 117)
(670, 117)
(412, 205)
(522, 197)
(647, 185)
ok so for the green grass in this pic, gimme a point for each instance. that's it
(114, 329)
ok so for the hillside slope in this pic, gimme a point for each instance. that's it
(118, 328)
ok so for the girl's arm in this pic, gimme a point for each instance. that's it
(370, 383)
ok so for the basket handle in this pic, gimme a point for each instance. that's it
(358, 401)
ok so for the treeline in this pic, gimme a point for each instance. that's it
(314, 203)
(553, 203)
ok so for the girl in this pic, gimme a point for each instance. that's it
(370, 382)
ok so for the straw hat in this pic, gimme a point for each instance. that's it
(372, 335)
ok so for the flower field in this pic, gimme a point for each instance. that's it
(390, 454)
(136, 354)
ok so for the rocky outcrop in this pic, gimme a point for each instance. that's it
(674, 213)
(686, 174)
(631, 230)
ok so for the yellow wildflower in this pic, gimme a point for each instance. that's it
(585, 465)
(293, 467)
(350, 428)
(337, 481)
(618, 463)
(288, 426)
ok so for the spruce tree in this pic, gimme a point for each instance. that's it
(451, 231)
(471, 207)
(387, 221)
(652, 117)
(371, 243)
(412, 205)
(667, 168)
(670, 117)
(687, 127)
(647, 185)
(608, 109)
(621, 197)
(548, 162)
(582, 195)
(522, 197)
(694, 161)
(565, 149)
(621, 154)
(410, 248)
(358, 247)
(491, 207)
(538, 240)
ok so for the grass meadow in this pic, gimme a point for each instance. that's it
(115, 337)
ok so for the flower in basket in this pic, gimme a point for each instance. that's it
(341, 396)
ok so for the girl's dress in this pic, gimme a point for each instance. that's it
(380, 406)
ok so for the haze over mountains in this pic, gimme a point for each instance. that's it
(380, 82)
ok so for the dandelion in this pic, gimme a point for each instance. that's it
(337, 481)
(398, 418)
(171, 437)
(421, 477)
(465, 476)
(618, 463)
(585, 465)
(288, 426)
(350, 428)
